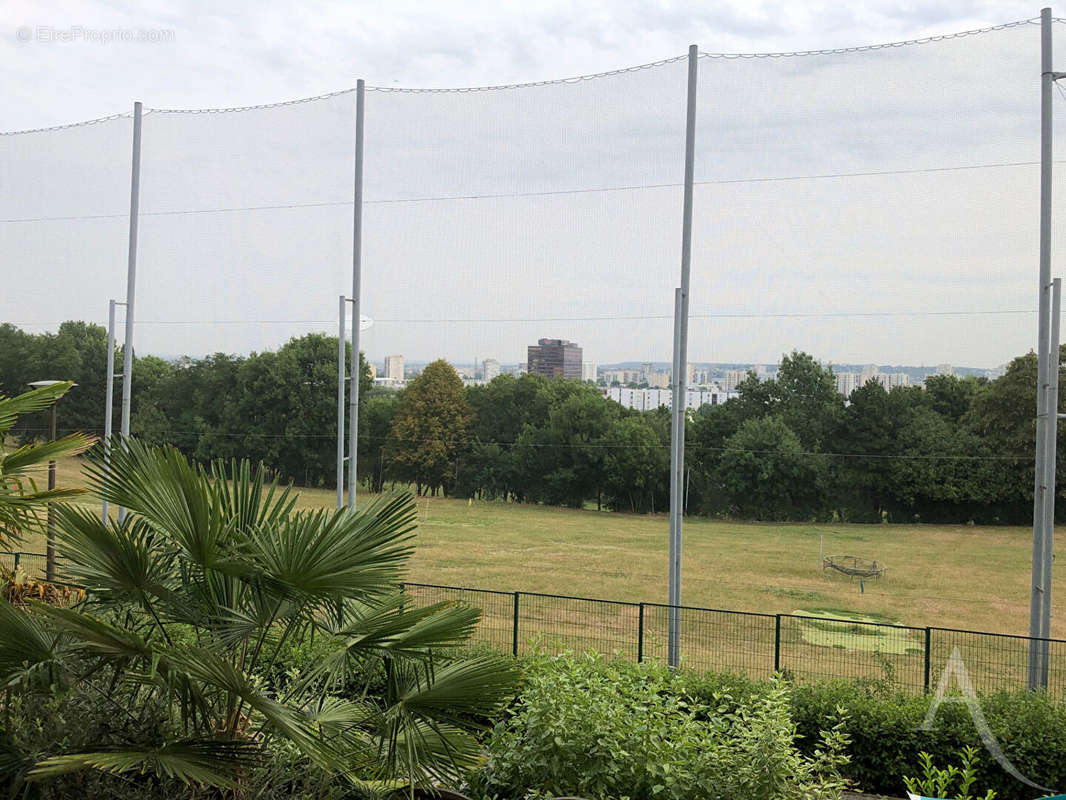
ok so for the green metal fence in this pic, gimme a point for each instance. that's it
(808, 648)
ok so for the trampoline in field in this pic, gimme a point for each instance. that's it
(853, 566)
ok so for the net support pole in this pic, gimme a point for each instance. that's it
(677, 435)
(357, 266)
(342, 337)
(1036, 600)
(109, 396)
(673, 651)
(131, 283)
(1050, 459)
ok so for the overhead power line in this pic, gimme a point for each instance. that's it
(596, 318)
(546, 193)
(575, 446)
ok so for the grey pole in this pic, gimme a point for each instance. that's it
(342, 337)
(357, 266)
(677, 453)
(131, 283)
(673, 652)
(50, 543)
(109, 395)
(1051, 457)
(1036, 601)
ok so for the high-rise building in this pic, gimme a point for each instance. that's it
(658, 379)
(944, 369)
(555, 358)
(588, 372)
(847, 382)
(394, 368)
(733, 378)
(490, 368)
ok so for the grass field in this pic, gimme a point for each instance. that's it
(949, 576)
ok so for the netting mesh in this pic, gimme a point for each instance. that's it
(879, 201)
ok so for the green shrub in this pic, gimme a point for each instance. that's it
(886, 739)
(597, 728)
(884, 728)
(938, 781)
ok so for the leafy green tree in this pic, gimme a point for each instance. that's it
(196, 600)
(430, 429)
(378, 411)
(942, 473)
(950, 396)
(766, 474)
(563, 463)
(868, 440)
(806, 398)
(636, 467)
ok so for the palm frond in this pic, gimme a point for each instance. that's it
(390, 628)
(319, 556)
(244, 497)
(30, 653)
(94, 636)
(35, 456)
(161, 486)
(114, 561)
(208, 762)
(210, 668)
(35, 400)
(479, 686)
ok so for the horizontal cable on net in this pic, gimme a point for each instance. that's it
(577, 446)
(598, 318)
(67, 125)
(834, 51)
(562, 81)
(549, 193)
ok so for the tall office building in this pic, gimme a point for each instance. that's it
(588, 372)
(555, 358)
(394, 368)
(490, 368)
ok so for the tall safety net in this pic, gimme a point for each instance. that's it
(867, 203)
(879, 199)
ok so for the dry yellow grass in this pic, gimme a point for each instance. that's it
(950, 576)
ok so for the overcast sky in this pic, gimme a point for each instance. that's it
(461, 278)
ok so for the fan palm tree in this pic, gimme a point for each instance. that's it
(195, 602)
(20, 499)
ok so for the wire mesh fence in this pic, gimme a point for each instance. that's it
(994, 661)
(33, 564)
(806, 648)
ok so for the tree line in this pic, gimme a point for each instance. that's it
(789, 448)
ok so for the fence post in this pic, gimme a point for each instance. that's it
(777, 643)
(17, 557)
(928, 656)
(514, 639)
(640, 634)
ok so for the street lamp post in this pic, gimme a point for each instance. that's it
(50, 548)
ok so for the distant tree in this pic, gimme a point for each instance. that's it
(765, 473)
(636, 466)
(950, 396)
(430, 429)
(562, 463)
(807, 399)
(375, 421)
